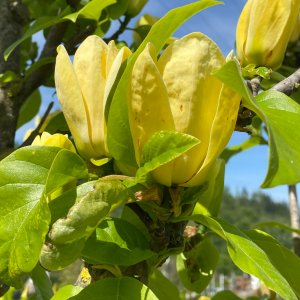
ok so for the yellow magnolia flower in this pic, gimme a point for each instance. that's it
(178, 92)
(296, 32)
(263, 31)
(56, 140)
(83, 89)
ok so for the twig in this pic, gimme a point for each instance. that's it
(36, 131)
(294, 215)
(121, 29)
(289, 85)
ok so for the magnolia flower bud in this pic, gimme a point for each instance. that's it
(55, 140)
(178, 92)
(83, 89)
(296, 32)
(263, 31)
(135, 6)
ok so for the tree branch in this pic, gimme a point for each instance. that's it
(289, 85)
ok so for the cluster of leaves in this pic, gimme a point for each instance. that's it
(51, 214)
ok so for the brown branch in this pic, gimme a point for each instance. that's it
(123, 25)
(289, 85)
(294, 215)
(38, 77)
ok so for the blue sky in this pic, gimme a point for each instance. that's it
(245, 170)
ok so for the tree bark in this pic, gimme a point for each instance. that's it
(294, 214)
(13, 15)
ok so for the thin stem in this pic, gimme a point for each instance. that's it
(294, 215)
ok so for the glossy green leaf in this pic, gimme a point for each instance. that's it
(117, 242)
(118, 9)
(197, 266)
(56, 122)
(25, 176)
(67, 292)
(124, 288)
(247, 144)
(69, 233)
(39, 24)
(61, 205)
(283, 121)
(29, 108)
(40, 63)
(92, 10)
(119, 137)
(251, 258)
(277, 225)
(163, 147)
(225, 295)
(162, 287)
(210, 197)
(286, 261)
(282, 117)
(42, 283)
(130, 216)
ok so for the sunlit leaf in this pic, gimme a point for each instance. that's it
(29, 108)
(282, 117)
(117, 242)
(163, 147)
(197, 266)
(255, 258)
(124, 288)
(25, 177)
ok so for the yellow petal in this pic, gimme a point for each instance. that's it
(55, 140)
(186, 67)
(222, 129)
(112, 52)
(269, 27)
(149, 109)
(70, 98)
(90, 69)
(123, 54)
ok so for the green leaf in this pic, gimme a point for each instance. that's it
(25, 176)
(252, 258)
(247, 144)
(61, 205)
(283, 121)
(163, 147)
(117, 242)
(278, 225)
(211, 197)
(56, 122)
(226, 295)
(92, 10)
(39, 24)
(130, 216)
(124, 288)
(68, 234)
(42, 283)
(29, 108)
(118, 9)
(197, 266)
(282, 117)
(40, 63)
(67, 292)
(162, 287)
(119, 136)
(287, 262)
